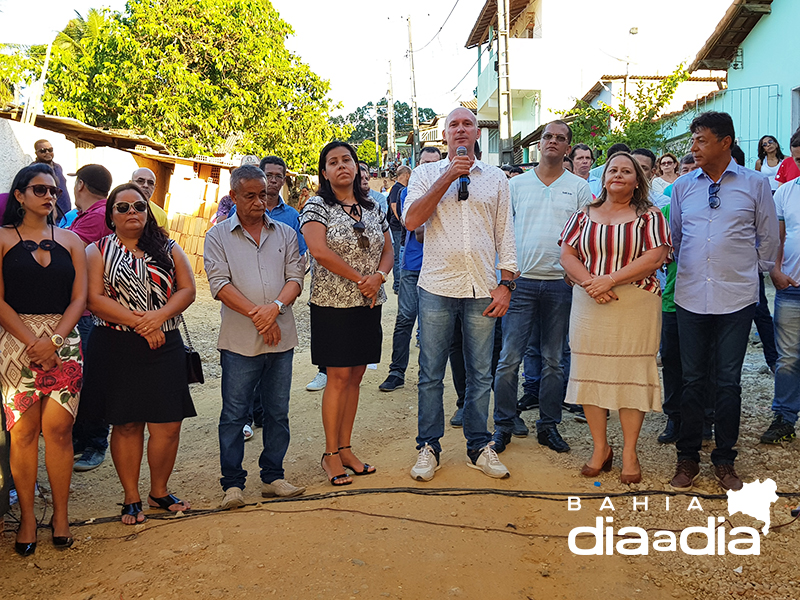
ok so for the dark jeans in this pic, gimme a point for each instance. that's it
(88, 433)
(398, 238)
(407, 308)
(765, 326)
(717, 343)
(240, 375)
(673, 373)
(547, 304)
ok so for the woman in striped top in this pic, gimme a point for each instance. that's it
(611, 250)
(140, 282)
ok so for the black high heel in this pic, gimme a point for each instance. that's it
(61, 542)
(364, 471)
(25, 548)
(335, 480)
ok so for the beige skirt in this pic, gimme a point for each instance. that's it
(614, 348)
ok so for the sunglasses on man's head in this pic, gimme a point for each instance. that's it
(42, 190)
(360, 228)
(124, 207)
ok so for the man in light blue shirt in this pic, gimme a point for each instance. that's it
(724, 233)
(582, 160)
(376, 197)
(542, 201)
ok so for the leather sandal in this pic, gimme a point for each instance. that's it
(335, 480)
(165, 502)
(364, 471)
(134, 509)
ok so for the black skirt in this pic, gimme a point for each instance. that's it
(124, 381)
(345, 337)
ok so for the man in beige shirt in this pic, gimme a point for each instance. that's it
(255, 269)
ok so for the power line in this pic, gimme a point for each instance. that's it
(470, 69)
(440, 28)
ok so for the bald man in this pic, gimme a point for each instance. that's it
(466, 242)
(146, 180)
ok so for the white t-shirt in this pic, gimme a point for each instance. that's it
(787, 205)
(540, 213)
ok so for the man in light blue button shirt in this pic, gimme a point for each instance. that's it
(724, 233)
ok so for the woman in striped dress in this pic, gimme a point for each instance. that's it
(610, 251)
(140, 282)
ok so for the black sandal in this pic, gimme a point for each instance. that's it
(165, 502)
(134, 509)
(336, 479)
(365, 471)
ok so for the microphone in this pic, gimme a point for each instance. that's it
(463, 181)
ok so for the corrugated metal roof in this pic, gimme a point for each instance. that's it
(739, 20)
(488, 18)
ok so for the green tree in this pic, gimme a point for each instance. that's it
(362, 121)
(634, 124)
(366, 152)
(202, 76)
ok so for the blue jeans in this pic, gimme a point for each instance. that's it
(671, 362)
(272, 372)
(532, 364)
(535, 304)
(437, 322)
(88, 433)
(712, 346)
(787, 338)
(397, 246)
(407, 308)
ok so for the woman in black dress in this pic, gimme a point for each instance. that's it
(42, 296)
(347, 236)
(140, 282)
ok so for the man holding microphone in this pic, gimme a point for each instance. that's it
(469, 235)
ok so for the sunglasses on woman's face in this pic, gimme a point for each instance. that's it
(363, 240)
(124, 207)
(42, 190)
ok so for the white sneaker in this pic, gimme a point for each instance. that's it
(247, 431)
(233, 498)
(280, 488)
(318, 383)
(489, 463)
(426, 466)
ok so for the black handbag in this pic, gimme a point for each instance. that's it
(194, 366)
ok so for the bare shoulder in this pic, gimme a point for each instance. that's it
(68, 239)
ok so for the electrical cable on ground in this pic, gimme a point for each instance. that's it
(173, 518)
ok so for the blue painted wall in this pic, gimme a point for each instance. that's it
(763, 96)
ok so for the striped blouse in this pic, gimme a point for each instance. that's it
(136, 283)
(607, 248)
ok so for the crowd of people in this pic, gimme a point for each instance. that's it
(580, 276)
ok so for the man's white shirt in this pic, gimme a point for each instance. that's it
(465, 241)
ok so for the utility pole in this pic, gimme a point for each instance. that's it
(36, 92)
(414, 113)
(633, 31)
(505, 119)
(390, 134)
(377, 140)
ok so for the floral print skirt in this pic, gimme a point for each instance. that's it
(24, 383)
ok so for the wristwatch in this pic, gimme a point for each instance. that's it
(383, 275)
(509, 284)
(57, 340)
(281, 307)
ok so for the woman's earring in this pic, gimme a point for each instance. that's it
(21, 211)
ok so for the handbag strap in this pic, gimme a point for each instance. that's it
(186, 331)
